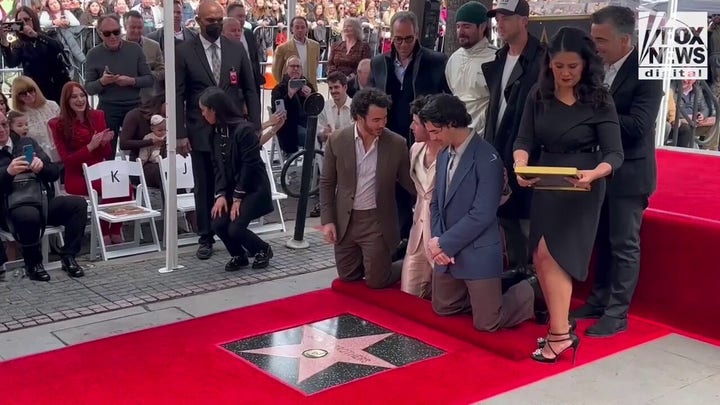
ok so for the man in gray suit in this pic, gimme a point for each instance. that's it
(465, 244)
(201, 62)
(134, 25)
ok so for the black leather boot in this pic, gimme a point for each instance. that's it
(71, 267)
(37, 272)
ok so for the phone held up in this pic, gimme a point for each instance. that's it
(13, 26)
(29, 152)
(279, 105)
(297, 84)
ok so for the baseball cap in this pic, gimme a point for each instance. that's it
(156, 119)
(510, 7)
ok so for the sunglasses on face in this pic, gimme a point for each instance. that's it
(107, 34)
(26, 92)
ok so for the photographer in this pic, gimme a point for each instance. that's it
(293, 90)
(39, 55)
(28, 204)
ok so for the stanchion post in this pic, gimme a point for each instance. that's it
(313, 106)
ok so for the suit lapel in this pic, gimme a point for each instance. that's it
(225, 64)
(351, 158)
(382, 168)
(463, 167)
(202, 56)
(414, 154)
(628, 69)
(441, 167)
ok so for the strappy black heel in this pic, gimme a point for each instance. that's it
(572, 337)
(541, 341)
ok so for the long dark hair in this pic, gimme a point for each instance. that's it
(590, 89)
(33, 16)
(226, 112)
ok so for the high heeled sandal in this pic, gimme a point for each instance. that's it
(541, 341)
(538, 356)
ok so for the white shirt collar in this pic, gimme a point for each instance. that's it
(206, 44)
(348, 102)
(9, 144)
(357, 135)
(617, 65)
(298, 43)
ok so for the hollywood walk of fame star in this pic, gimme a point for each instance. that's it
(318, 350)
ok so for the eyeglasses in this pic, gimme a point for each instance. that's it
(26, 92)
(400, 40)
(294, 66)
(25, 19)
(107, 34)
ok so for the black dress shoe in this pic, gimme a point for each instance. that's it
(511, 277)
(315, 213)
(262, 258)
(237, 263)
(37, 272)
(71, 267)
(607, 326)
(587, 311)
(205, 251)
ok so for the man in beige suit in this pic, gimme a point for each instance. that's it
(134, 25)
(362, 164)
(301, 46)
(418, 264)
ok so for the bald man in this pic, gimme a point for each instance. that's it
(234, 29)
(360, 80)
(208, 60)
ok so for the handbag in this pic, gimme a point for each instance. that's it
(27, 191)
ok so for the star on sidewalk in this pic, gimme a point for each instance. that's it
(318, 350)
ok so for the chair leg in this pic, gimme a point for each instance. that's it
(280, 213)
(156, 239)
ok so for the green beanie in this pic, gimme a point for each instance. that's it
(471, 12)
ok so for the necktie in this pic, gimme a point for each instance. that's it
(610, 75)
(451, 164)
(215, 59)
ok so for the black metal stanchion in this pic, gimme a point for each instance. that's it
(313, 107)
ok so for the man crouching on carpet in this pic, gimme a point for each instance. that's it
(466, 244)
(361, 166)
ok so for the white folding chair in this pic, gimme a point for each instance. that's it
(121, 171)
(260, 226)
(185, 181)
(45, 246)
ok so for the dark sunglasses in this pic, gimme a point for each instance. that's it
(107, 34)
(26, 92)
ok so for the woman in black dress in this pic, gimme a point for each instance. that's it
(240, 177)
(570, 119)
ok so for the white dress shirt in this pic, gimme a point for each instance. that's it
(611, 70)
(302, 54)
(335, 117)
(365, 171)
(208, 51)
(455, 156)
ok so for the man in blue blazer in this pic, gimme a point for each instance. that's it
(466, 245)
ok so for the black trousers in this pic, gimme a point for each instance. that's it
(114, 116)
(235, 234)
(67, 211)
(204, 191)
(618, 243)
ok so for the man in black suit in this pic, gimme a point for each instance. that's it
(181, 33)
(237, 11)
(203, 61)
(509, 77)
(398, 75)
(637, 103)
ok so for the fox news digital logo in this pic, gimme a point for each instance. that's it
(676, 48)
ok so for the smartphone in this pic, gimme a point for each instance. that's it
(279, 105)
(13, 26)
(107, 70)
(29, 152)
(297, 83)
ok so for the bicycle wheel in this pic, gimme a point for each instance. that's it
(291, 174)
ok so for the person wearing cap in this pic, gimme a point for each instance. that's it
(510, 76)
(464, 68)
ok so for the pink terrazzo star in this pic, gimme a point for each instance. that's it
(319, 350)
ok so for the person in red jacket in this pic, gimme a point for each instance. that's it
(81, 136)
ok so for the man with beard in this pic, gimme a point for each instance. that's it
(362, 164)
(464, 68)
(510, 76)
(201, 62)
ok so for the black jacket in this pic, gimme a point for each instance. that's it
(287, 135)
(239, 168)
(502, 137)
(159, 37)
(49, 174)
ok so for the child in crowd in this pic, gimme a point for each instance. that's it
(153, 153)
(18, 123)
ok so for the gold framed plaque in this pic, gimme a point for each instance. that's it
(551, 178)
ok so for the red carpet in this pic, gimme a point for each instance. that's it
(680, 247)
(182, 363)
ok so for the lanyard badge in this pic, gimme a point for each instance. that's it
(233, 77)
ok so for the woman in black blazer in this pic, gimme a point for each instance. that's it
(240, 178)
